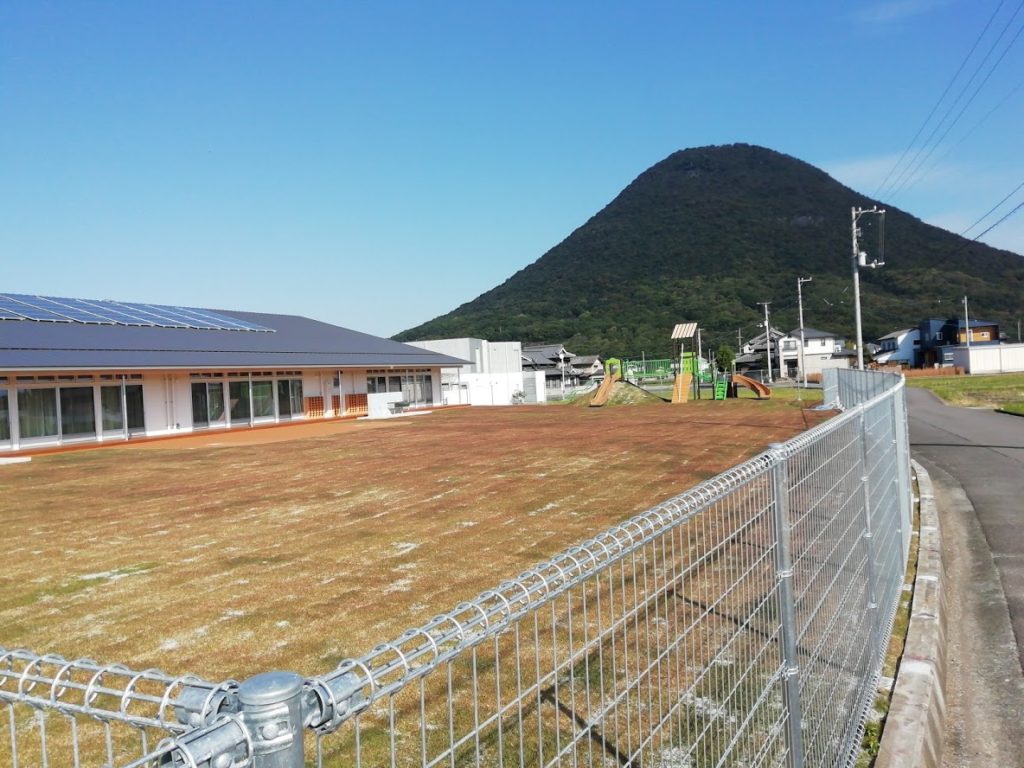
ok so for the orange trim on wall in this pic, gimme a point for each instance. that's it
(356, 404)
(315, 407)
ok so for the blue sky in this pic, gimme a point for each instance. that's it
(375, 164)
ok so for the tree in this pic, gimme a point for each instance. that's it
(726, 357)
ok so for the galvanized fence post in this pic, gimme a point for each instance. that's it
(271, 708)
(784, 576)
(902, 478)
(868, 536)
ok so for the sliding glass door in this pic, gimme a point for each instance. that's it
(119, 405)
(37, 413)
(77, 413)
(207, 403)
(5, 416)
(289, 398)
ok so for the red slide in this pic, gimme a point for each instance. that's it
(763, 392)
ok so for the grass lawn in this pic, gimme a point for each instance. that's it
(229, 560)
(997, 391)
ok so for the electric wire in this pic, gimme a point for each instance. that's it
(992, 209)
(913, 178)
(1013, 211)
(949, 150)
(908, 172)
(935, 108)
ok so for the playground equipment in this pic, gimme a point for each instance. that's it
(763, 392)
(612, 373)
(721, 388)
(681, 388)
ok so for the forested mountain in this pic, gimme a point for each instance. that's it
(708, 233)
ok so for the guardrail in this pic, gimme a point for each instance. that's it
(742, 622)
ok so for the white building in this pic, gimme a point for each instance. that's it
(76, 371)
(493, 376)
(990, 358)
(899, 347)
(821, 350)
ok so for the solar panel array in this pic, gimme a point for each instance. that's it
(50, 309)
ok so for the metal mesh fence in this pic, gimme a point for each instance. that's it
(741, 623)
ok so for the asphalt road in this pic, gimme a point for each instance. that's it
(976, 461)
(984, 451)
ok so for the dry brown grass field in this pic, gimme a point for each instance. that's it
(228, 560)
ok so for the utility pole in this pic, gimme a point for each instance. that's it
(967, 325)
(860, 259)
(767, 338)
(800, 300)
(739, 339)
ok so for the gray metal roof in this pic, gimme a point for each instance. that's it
(297, 342)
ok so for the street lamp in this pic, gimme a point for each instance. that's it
(860, 259)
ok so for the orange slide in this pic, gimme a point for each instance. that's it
(681, 389)
(763, 392)
(601, 396)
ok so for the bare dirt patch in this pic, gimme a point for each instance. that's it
(229, 560)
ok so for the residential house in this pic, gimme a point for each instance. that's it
(899, 347)
(821, 350)
(940, 337)
(555, 361)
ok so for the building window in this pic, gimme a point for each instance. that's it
(5, 415)
(289, 397)
(207, 403)
(263, 399)
(238, 397)
(37, 413)
(113, 414)
(77, 412)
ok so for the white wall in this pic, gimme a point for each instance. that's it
(483, 356)
(1002, 358)
(482, 388)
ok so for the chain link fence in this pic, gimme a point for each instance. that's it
(741, 623)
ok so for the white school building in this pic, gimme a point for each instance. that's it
(75, 371)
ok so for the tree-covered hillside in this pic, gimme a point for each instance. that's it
(708, 233)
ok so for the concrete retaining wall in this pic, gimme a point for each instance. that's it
(914, 729)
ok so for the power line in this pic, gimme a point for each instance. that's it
(949, 85)
(1017, 208)
(993, 208)
(913, 177)
(937, 161)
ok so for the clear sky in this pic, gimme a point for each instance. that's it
(375, 164)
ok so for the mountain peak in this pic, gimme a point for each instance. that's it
(707, 233)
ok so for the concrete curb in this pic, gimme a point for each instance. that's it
(915, 727)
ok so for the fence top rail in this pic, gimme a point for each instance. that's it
(111, 692)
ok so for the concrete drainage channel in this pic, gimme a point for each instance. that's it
(914, 728)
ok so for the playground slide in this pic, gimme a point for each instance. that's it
(681, 388)
(763, 392)
(601, 396)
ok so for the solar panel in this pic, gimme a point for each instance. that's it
(66, 308)
(8, 309)
(117, 314)
(156, 316)
(15, 306)
(23, 306)
(211, 317)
